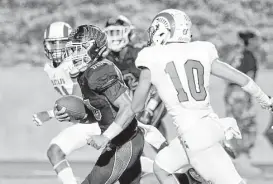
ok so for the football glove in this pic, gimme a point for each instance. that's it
(41, 117)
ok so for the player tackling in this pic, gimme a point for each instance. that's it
(180, 70)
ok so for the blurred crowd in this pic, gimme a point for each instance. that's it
(248, 57)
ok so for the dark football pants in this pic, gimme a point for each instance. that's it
(122, 163)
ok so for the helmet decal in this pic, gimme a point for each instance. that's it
(170, 25)
(167, 19)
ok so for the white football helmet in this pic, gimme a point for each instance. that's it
(120, 32)
(170, 25)
(55, 39)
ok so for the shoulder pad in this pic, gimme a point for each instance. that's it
(102, 75)
(212, 51)
(144, 59)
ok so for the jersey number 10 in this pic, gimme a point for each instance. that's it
(195, 76)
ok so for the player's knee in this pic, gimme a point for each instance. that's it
(55, 154)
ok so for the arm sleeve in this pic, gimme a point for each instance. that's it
(107, 80)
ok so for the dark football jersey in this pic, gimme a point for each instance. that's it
(101, 84)
(125, 61)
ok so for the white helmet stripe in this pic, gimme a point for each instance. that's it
(65, 30)
(52, 32)
(57, 30)
(47, 32)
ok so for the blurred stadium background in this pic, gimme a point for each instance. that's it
(25, 89)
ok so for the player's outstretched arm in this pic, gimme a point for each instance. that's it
(227, 72)
(41, 117)
(142, 90)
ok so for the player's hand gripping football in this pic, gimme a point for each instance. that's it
(61, 114)
(98, 141)
(40, 118)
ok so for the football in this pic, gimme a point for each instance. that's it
(74, 105)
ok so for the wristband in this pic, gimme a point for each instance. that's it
(252, 88)
(112, 131)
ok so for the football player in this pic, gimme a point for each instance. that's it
(120, 34)
(106, 96)
(58, 69)
(180, 70)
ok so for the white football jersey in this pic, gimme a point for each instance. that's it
(60, 77)
(181, 74)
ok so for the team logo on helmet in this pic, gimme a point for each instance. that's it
(170, 25)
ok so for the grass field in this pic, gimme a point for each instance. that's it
(42, 173)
